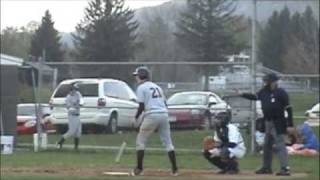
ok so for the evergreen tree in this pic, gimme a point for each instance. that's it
(47, 38)
(303, 49)
(203, 30)
(284, 21)
(311, 34)
(107, 32)
(296, 28)
(290, 44)
(271, 44)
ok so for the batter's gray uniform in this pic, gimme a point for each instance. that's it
(155, 116)
(73, 102)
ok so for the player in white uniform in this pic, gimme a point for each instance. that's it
(152, 101)
(73, 102)
(231, 146)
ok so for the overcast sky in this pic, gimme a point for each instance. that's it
(65, 13)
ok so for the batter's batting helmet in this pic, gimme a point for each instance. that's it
(142, 72)
(272, 77)
(74, 86)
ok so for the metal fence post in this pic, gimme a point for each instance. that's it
(253, 74)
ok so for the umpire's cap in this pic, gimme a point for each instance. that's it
(271, 77)
(142, 72)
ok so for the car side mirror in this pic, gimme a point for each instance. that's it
(133, 100)
(212, 103)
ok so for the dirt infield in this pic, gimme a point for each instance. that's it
(96, 172)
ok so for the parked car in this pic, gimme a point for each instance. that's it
(313, 114)
(241, 110)
(26, 119)
(108, 104)
(195, 109)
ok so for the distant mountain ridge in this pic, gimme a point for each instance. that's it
(170, 12)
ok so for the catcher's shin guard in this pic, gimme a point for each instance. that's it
(232, 167)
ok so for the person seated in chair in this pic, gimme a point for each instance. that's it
(307, 142)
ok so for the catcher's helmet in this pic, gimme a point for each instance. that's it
(223, 118)
(142, 72)
(272, 77)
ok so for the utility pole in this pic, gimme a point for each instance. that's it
(39, 99)
(253, 74)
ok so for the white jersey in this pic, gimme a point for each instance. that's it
(73, 102)
(234, 136)
(152, 96)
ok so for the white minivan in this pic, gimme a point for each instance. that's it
(108, 104)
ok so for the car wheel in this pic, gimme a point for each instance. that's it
(113, 124)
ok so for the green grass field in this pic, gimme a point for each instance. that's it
(104, 159)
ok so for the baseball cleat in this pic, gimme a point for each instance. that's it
(175, 173)
(137, 172)
(264, 171)
(58, 145)
(223, 171)
(233, 171)
(284, 172)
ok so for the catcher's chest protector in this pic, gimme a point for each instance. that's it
(222, 133)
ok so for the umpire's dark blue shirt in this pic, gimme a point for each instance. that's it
(274, 103)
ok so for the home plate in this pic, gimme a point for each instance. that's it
(109, 173)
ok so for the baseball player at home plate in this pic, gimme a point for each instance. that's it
(225, 147)
(152, 102)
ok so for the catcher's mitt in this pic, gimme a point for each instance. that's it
(208, 143)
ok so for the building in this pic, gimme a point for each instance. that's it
(9, 95)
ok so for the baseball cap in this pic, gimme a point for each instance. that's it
(271, 77)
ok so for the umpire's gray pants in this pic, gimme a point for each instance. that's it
(150, 123)
(273, 138)
(74, 127)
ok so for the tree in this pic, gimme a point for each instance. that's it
(303, 48)
(157, 41)
(203, 30)
(107, 32)
(16, 41)
(46, 38)
(290, 44)
(284, 21)
(311, 36)
(270, 47)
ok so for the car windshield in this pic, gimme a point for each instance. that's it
(187, 99)
(86, 90)
(30, 110)
(238, 102)
(315, 108)
(26, 111)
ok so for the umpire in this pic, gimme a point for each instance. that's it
(274, 101)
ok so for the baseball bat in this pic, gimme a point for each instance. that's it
(120, 152)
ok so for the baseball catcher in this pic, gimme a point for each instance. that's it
(225, 147)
